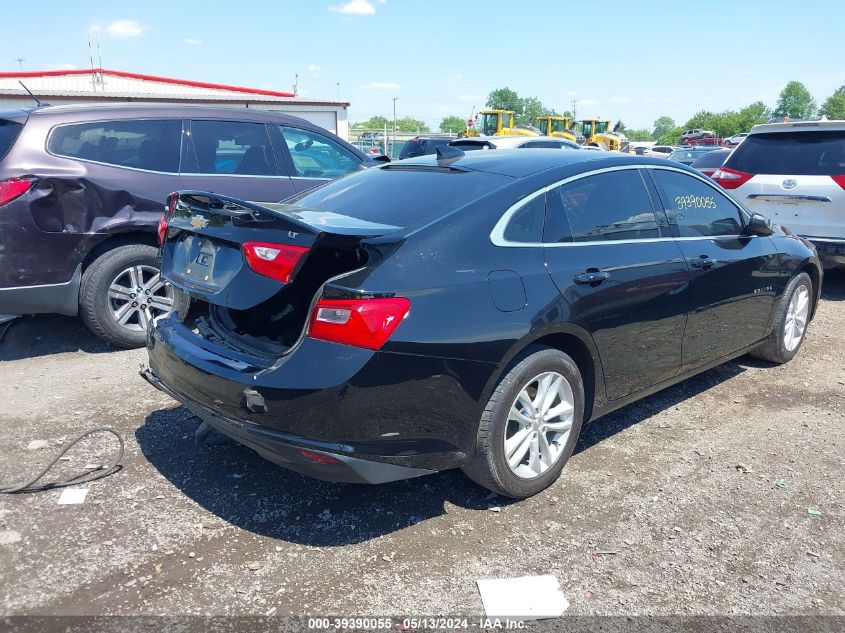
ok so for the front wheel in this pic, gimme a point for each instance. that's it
(122, 291)
(530, 425)
(791, 318)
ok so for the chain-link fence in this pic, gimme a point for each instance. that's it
(386, 142)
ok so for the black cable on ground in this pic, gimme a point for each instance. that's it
(112, 468)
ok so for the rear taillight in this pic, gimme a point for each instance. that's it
(13, 188)
(364, 323)
(162, 229)
(731, 178)
(839, 180)
(277, 261)
(318, 458)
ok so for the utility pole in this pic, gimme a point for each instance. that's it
(394, 126)
(574, 109)
(338, 91)
(20, 61)
(296, 84)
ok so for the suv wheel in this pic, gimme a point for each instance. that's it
(530, 425)
(122, 291)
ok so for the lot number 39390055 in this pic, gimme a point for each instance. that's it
(695, 202)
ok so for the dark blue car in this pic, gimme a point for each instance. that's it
(469, 311)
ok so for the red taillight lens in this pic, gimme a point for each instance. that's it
(839, 180)
(318, 458)
(731, 178)
(277, 261)
(162, 229)
(364, 323)
(13, 188)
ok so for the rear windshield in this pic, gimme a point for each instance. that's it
(9, 131)
(711, 159)
(806, 153)
(401, 196)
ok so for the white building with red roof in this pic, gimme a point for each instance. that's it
(101, 85)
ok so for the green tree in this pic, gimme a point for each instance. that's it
(531, 108)
(751, 115)
(834, 106)
(375, 123)
(796, 102)
(408, 124)
(453, 124)
(663, 125)
(620, 127)
(504, 99)
(638, 135)
(672, 137)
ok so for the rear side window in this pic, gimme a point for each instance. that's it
(232, 147)
(695, 208)
(316, 156)
(526, 225)
(819, 153)
(152, 144)
(400, 196)
(610, 206)
(9, 131)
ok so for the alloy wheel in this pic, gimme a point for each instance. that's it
(538, 425)
(137, 295)
(796, 318)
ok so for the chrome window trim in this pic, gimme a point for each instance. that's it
(498, 232)
(196, 175)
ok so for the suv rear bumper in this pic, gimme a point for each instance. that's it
(62, 298)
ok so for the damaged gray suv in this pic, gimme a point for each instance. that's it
(83, 188)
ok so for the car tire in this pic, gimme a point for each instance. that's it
(489, 465)
(786, 337)
(106, 297)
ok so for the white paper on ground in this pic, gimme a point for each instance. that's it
(73, 495)
(525, 598)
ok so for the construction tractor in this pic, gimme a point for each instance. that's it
(597, 133)
(557, 126)
(496, 123)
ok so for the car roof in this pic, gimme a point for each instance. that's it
(94, 111)
(798, 126)
(501, 142)
(519, 163)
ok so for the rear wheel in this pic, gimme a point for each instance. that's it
(122, 291)
(791, 318)
(530, 425)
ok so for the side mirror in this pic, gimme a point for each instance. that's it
(381, 158)
(758, 225)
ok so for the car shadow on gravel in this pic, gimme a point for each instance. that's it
(46, 334)
(234, 483)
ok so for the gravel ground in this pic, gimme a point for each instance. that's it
(698, 496)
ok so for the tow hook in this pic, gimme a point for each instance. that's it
(253, 401)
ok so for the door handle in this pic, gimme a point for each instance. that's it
(702, 262)
(592, 276)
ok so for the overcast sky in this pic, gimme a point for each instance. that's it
(628, 59)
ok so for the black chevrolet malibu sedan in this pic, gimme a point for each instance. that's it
(468, 311)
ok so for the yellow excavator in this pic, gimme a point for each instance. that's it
(496, 123)
(597, 133)
(556, 126)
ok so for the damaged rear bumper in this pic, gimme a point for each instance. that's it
(290, 452)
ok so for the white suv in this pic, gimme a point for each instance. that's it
(795, 174)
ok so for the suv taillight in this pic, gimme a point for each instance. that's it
(14, 188)
(364, 323)
(839, 180)
(731, 178)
